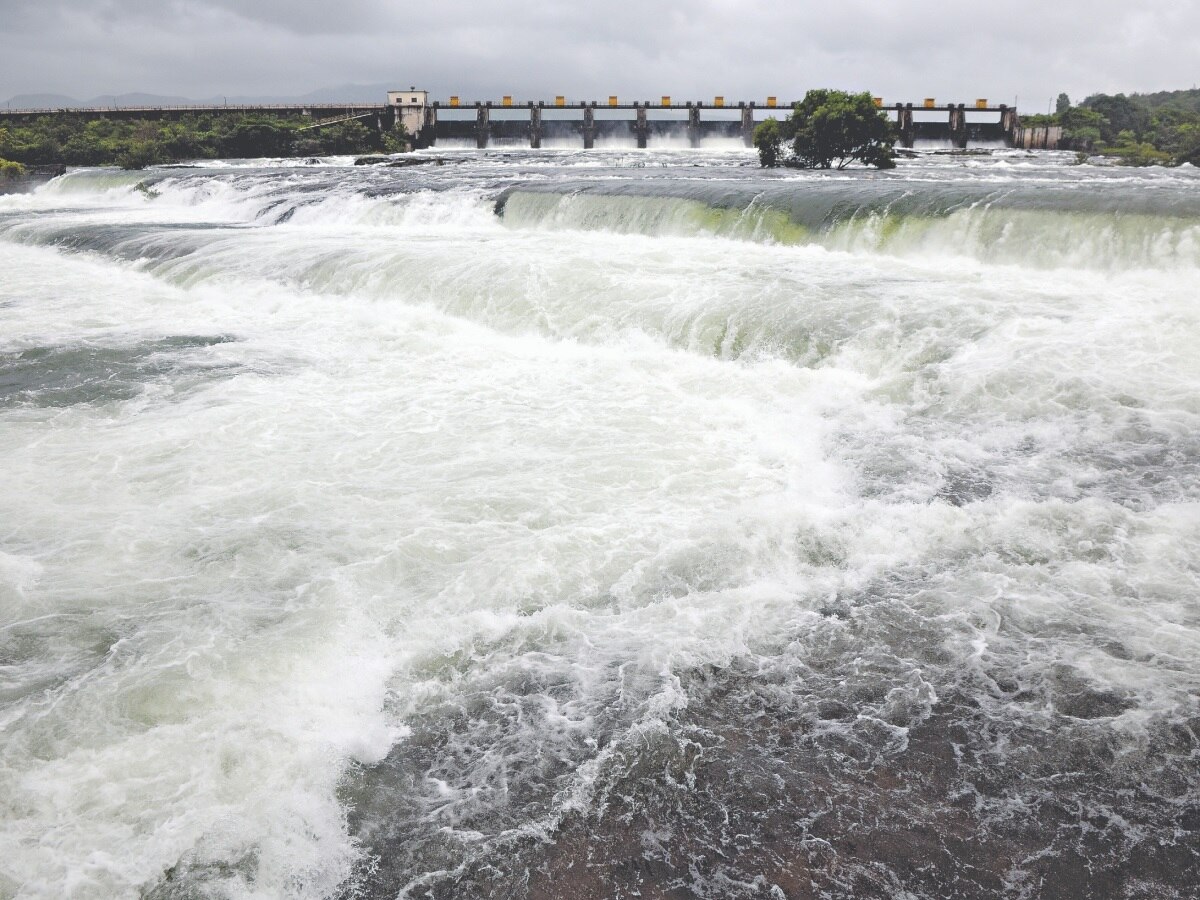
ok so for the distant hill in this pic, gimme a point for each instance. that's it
(346, 93)
(41, 101)
(357, 93)
(57, 101)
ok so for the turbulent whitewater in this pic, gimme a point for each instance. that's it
(601, 525)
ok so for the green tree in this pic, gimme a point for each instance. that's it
(139, 154)
(72, 140)
(1062, 104)
(254, 138)
(1082, 127)
(346, 137)
(1170, 128)
(10, 170)
(1128, 152)
(182, 140)
(1122, 114)
(830, 129)
(1187, 149)
(768, 141)
(395, 141)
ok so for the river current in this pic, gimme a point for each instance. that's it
(603, 524)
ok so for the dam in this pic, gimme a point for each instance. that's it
(645, 123)
(663, 121)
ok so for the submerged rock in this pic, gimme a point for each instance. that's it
(417, 161)
(402, 163)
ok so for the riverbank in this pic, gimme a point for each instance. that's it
(29, 178)
(138, 143)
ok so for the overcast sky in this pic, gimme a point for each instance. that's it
(534, 49)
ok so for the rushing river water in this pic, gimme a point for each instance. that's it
(601, 525)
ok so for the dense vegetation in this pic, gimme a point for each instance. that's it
(1139, 129)
(9, 169)
(828, 129)
(136, 143)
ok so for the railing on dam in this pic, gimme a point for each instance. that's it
(298, 109)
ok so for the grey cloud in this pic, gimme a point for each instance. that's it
(536, 48)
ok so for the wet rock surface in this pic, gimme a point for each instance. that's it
(762, 790)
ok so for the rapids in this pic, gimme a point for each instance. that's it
(601, 524)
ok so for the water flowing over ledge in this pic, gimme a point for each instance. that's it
(683, 528)
(1038, 225)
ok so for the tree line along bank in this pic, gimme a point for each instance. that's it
(137, 143)
(1140, 129)
(833, 129)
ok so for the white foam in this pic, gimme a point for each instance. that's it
(441, 461)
